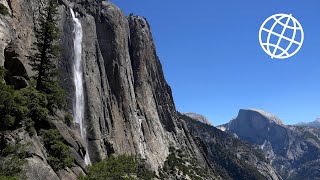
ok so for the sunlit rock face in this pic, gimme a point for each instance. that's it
(292, 150)
(256, 126)
(128, 105)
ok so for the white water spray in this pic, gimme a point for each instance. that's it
(78, 106)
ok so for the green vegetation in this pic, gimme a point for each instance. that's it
(8, 178)
(43, 62)
(28, 108)
(122, 168)
(177, 162)
(12, 108)
(11, 161)
(59, 152)
(3, 9)
(68, 119)
(20, 107)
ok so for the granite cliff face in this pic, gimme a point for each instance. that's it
(293, 151)
(120, 119)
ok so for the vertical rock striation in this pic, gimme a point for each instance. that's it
(129, 106)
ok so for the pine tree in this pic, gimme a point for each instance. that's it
(47, 51)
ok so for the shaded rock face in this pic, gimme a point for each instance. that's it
(257, 126)
(198, 117)
(16, 35)
(16, 71)
(291, 150)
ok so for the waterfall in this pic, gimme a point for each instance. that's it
(78, 106)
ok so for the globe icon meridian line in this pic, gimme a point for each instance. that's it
(278, 51)
(282, 33)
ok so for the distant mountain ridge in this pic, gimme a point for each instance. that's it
(198, 117)
(294, 151)
(229, 157)
(314, 124)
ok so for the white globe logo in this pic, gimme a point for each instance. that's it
(281, 45)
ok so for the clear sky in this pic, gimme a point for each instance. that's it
(213, 61)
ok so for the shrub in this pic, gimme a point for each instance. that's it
(8, 178)
(59, 152)
(12, 107)
(121, 167)
(56, 96)
(11, 161)
(36, 103)
(26, 106)
(29, 123)
(3, 9)
(2, 74)
(68, 119)
(178, 161)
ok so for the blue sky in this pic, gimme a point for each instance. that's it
(213, 61)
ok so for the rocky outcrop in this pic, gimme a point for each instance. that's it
(36, 164)
(198, 117)
(291, 150)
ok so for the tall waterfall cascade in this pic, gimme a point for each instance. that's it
(78, 105)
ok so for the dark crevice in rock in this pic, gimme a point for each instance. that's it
(109, 148)
(111, 125)
(115, 82)
(100, 66)
(16, 72)
(143, 128)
